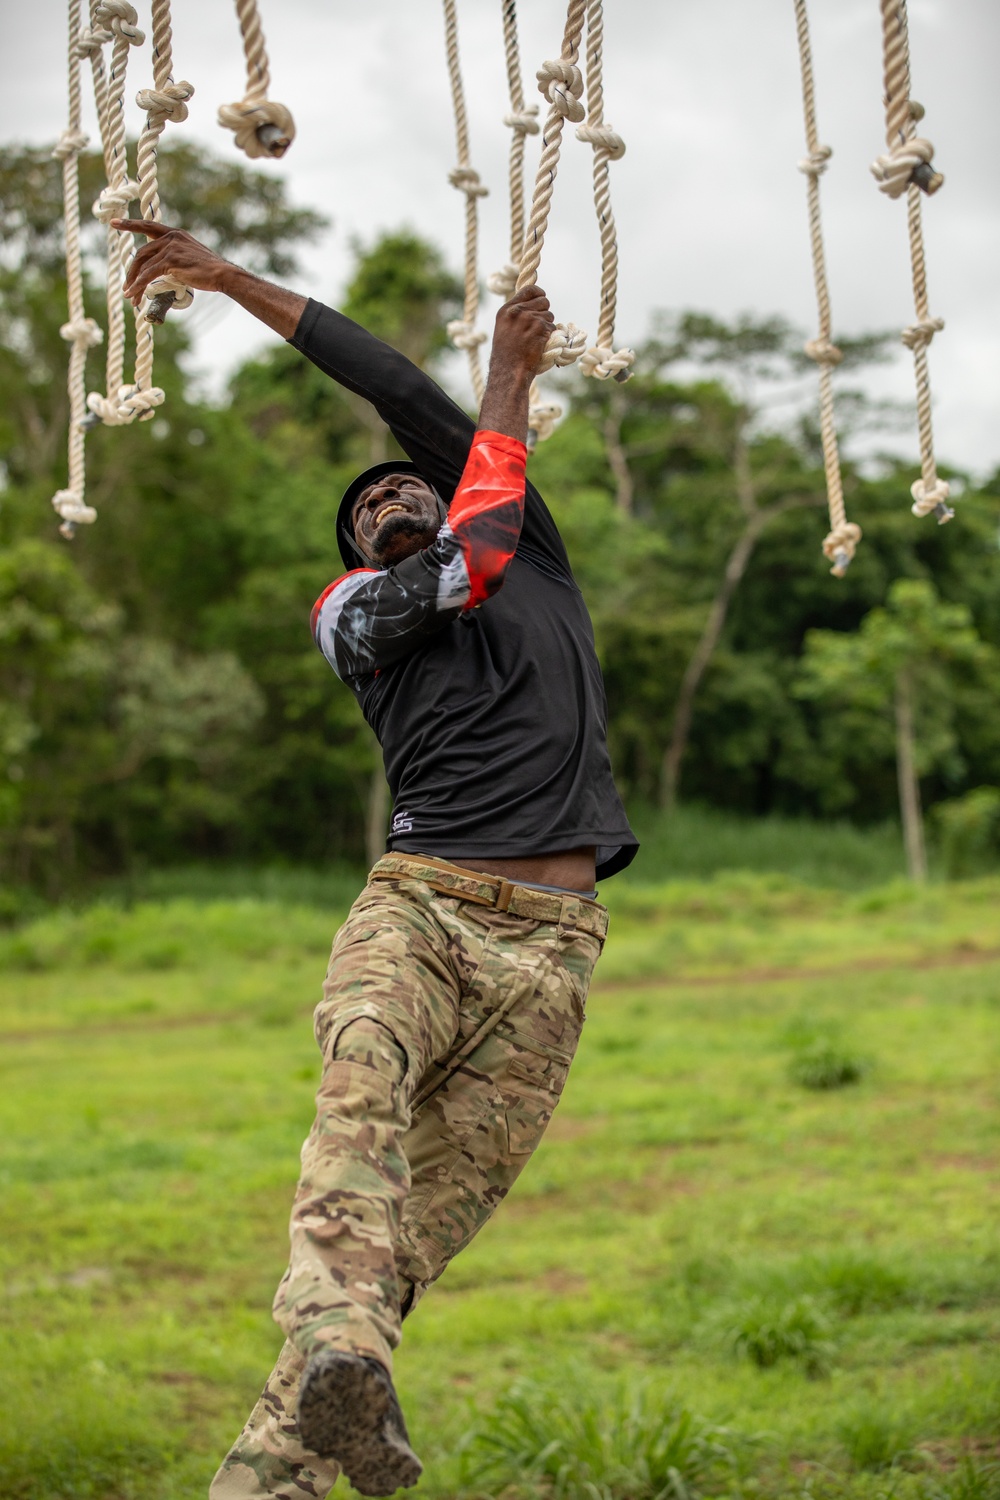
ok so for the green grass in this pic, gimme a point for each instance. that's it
(698, 842)
(713, 1278)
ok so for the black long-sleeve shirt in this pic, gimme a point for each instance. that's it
(474, 660)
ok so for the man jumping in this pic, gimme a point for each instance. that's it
(455, 991)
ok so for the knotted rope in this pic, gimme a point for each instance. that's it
(907, 168)
(523, 121)
(463, 331)
(80, 332)
(262, 126)
(116, 21)
(844, 535)
(602, 359)
(561, 83)
(165, 101)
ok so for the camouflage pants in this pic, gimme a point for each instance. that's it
(451, 1011)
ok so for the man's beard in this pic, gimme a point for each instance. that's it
(401, 536)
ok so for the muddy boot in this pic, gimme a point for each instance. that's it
(348, 1411)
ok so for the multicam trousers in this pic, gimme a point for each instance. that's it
(451, 1011)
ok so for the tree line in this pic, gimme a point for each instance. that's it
(160, 694)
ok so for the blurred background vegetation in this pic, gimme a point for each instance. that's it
(162, 703)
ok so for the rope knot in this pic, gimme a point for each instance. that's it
(250, 121)
(91, 40)
(603, 363)
(102, 410)
(602, 138)
(114, 201)
(133, 403)
(183, 295)
(70, 143)
(565, 346)
(931, 499)
(918, 335)
(504, 281)
(561, 83)
(823, 351)
(816, 163)
(82, 331)
(465, 335)
(542, 419)
(840, 546)
(894, 170)
(119, 17)
(523, 121)
(168, 103)
(467, 180)
(69, 505)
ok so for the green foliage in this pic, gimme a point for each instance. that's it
(402, 292)
(875, 1439)
(798, 1330)
(823, 1063)
(969, 831)
(951, 670)
(633, 1446)
(968, 1480)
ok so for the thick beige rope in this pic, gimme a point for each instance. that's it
(907, 168)
(166, 100)
(116, 20)
(844, 535)
(262, 127)
(463, 331)
(523, 121)
(561, 82)
(602, 359)
(80, 332)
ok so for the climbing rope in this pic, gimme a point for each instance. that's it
(844, 535)
(262, 127)
(80, 332)
(114, 21)
(602, 359)
(523, 121)
(561, 83)
(463, 331)
(907, 168)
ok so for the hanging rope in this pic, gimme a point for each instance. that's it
(844, 535)
(523, 121)
(907, 168)
(561, 82)
(602, 359)
(165, 101)
(80, 332)
(114, 20)
(262, 126)
(463, 331)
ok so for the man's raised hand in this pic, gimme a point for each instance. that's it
(170, 252)
(522, 331)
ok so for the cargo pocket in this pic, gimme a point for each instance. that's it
(531, 1083)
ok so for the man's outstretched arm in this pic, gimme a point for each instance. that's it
(174, 252)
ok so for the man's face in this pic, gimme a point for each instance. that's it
(394, 518)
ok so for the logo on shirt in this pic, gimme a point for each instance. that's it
(402, 822)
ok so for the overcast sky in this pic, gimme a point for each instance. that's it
(710, 206)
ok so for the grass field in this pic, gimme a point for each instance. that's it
(756, 1255)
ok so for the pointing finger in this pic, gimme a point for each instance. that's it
(149, 227)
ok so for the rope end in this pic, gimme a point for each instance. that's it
(931, 500)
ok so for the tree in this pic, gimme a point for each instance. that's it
(904, 667)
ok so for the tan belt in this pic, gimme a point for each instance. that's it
(494, 891)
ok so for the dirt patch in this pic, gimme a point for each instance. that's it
(959, 957)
